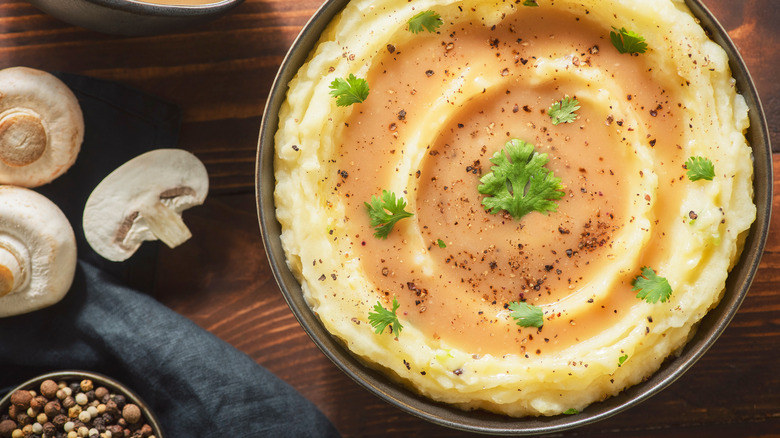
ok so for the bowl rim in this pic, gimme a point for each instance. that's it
(103, 380)
(143, 8)
(710, 327)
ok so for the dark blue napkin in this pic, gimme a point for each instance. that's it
(196, 384)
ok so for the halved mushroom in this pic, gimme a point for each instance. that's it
(41, 127)
(143, 200)
(37, 251)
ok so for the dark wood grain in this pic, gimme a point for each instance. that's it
(220, 74)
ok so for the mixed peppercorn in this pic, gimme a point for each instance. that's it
(72, 410)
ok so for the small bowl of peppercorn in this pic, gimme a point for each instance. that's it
(75, 404)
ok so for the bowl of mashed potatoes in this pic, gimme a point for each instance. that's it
(514, 217)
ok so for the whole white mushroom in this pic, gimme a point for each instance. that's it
(37, 251)
(41, 127)
(143, 200)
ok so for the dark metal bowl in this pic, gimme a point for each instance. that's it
(112, 385)
(130, 17)
(712, 325)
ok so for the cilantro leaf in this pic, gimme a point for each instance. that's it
(521, 185)
(380, 318)
(700, 168)
(429, 20)
(349, 91)
(571, 411)
(530, 3)
(622, 359)
(626, 41)
(651, 287)
(386, 212)
(563, 110)
(526, 315)
(441, 243)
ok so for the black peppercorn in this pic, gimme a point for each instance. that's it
(112, 408)
(99, 424)
(23, 419)
(101, 393)
(120, 401)
(52, 409)
(7, 427)
(60, 420)
(38, 402)
(49, 428)
(49, 388)
(21, 398)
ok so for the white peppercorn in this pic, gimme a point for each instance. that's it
(69, 426)
(37, 428)
(85, 416)
(81, 398)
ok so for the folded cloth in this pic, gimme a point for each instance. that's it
(196, 384)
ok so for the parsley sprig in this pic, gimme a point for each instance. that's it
(563, 110)
(349, 91)
(627, 41)
(700, 168)
(526, 315)
(428, 20)
(380, 318)
(651, 287)
(385, 212)
(520, 183)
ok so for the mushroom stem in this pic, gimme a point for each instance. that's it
(10, 271)
(166, 224)
(22, 137)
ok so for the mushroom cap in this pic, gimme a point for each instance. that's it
(118, 214)
(35, 229)
(41, 127)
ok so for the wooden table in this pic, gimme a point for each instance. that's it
(220, 74)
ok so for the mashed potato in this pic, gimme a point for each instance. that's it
(440, 105)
